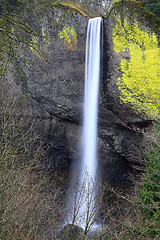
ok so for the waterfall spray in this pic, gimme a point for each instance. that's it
(89, 139)
(84, 202)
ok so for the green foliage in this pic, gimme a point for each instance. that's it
(149, 191)
(146, 225)
(138, 216)
(8, 5)
(140, 82)
(153, 6)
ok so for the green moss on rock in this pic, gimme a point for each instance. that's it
(139, 84)
(69, 37)
(143, 14)
(75, 7)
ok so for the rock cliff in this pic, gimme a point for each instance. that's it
(52, 78)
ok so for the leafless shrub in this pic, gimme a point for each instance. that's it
(85, 202)
(29, 198)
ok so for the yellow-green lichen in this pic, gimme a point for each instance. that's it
(139, 84)
(33, 43)
(69, 37)
(43, 34)
(33, 47)
(75, 7)
(114, 4)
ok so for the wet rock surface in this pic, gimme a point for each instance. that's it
(55, 85)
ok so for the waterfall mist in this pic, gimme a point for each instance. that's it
(85, 199)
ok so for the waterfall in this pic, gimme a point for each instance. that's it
(85, 203)
(92, 76)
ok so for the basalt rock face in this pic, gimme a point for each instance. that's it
(58, 86)
(54, 78)
(55, 84)
(130, 38)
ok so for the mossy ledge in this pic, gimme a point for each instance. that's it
(116, 3)
(150, 17)
(75, 7)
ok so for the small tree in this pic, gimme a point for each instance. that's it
(86, 202)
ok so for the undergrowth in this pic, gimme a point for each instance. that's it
(138, 216)
(29, 198)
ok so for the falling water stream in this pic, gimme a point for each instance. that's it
(82, 204)
(92, 76)
(88, 169)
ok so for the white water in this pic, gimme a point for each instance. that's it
(87, 182)
(92, 76)
(83, 201)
